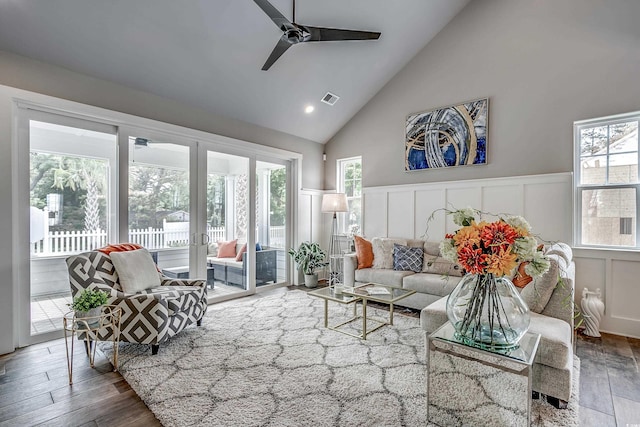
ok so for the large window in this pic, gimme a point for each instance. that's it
(350, 183)
(607, 184)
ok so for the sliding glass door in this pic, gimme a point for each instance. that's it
(72, 209)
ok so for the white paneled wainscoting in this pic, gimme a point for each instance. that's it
(546, 201)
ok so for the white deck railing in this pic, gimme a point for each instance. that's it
(66, 242)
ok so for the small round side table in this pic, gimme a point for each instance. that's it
(89, 329)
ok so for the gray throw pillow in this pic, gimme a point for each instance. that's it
(136, 270)
(538, 292)
(406, 258)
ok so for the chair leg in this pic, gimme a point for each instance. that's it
(154, 349)
(88, 345)
(535, 395)
(199, 322)
(557, 403)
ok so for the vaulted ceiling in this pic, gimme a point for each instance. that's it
(209, 53)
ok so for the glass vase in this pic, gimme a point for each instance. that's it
(487, 311)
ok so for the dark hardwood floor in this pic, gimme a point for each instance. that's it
(34, 388)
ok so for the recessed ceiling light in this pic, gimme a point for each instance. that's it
(309, 109)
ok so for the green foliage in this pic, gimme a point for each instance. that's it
(277, 204)
(89, 299)
(309, 256)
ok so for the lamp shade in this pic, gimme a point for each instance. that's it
(334, 202)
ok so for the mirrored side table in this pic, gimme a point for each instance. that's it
(90, 329)
(468, 385)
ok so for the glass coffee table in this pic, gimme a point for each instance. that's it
(363, 293)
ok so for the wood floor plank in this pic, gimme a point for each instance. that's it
(25, 406)
(136, 414)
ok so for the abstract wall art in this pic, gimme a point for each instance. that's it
(449, 136)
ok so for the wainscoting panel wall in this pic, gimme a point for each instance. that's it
(546, 201)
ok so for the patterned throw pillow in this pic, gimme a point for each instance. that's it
(407, 258)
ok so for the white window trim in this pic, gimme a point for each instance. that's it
(578, 188)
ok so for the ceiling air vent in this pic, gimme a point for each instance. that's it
(330, 98)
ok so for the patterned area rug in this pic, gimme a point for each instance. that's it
(268, 361)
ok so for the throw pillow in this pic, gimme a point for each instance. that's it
(242, 250)
(122, 247)
(521, 279)
(364, 252)
(227, 249)
(438, 265)
(407, 258)
(383, 251)
(538, 293)
(136, 270)
(258, 247)
(212, 249)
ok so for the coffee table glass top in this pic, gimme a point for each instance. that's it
(525, 352)
(328, 293)
(380, 293)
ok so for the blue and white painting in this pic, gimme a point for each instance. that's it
(450, 136)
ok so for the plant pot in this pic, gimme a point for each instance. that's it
(311, 280)
(91, 318)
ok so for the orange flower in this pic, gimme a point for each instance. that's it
(501, 262)
(467, 236)
(498, 233)
(472, 260)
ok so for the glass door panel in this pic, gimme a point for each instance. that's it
(160, 203)
(72, 210)
(227, 219)
(271, 223)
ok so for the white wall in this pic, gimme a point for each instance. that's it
(38, 78)
(544, 64)
(544, 200)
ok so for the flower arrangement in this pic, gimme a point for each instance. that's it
(485, 308)
(493, 248)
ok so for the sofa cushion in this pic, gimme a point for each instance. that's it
(555, 347)
(433, 284)
(383, 251)
(438, 265)
(537, 293)
(432, 248)
(434, 315)
(364, 252)
(136, 270)
(179, 298)
(383, 277)
(407, 258)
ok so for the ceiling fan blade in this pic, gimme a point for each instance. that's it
(319, 34)
(273, 13)
(277, 52)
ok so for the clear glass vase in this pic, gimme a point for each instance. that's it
(487, 310)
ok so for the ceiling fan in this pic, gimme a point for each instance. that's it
(295, 33)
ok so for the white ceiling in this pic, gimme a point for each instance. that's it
(209, 53)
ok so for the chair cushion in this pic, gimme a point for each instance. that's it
(179, 298)
(382, 277)
(555, 348)
(136, 270)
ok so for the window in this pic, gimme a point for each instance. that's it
(607, 184)
(350, 183)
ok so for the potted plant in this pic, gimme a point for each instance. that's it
(308, 257)
(89, 304)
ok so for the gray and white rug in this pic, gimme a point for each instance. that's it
(268, 361)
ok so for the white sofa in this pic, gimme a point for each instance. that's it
(429, 287)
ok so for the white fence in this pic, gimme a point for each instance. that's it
(65, 242)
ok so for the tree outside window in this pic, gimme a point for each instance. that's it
(350, 183)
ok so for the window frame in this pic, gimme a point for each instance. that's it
(579, 188)
(341, 165)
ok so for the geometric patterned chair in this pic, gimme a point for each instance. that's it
(149, 317)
